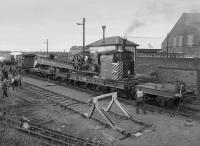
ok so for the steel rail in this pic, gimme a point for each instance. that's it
(57, 98)
(32, 88)
(49, 135)
(149, 107)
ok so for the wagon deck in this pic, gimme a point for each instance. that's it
(158, 89)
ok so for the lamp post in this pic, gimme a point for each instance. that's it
(83, 24)
(103, 27)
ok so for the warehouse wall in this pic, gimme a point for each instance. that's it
(172, 75)
(181, 63)
(172, 70)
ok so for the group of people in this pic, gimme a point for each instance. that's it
(9, 80)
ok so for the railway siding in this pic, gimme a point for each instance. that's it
(168, 129)
(46, 134)
(79, 107)
(186, 110)
(36, 112)
(74, 93)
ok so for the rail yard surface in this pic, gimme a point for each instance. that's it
(165, 130)
(62, 83)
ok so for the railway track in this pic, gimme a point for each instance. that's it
(183, 111)
(77, 106)
(61, 100)
(53, 137)
(64, 84)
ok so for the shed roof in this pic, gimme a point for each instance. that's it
(115, 40)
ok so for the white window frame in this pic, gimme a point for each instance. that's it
(174, 42)
(180, 41)
(190, 40)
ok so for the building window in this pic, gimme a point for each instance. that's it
(190, 40)
(180, 40)
(174, 42)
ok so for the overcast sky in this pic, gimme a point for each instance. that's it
(26, 24)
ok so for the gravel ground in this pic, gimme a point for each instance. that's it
(41, 112)
(166, 131)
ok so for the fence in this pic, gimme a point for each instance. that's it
(160, 55)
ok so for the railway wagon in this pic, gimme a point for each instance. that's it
(26, 61)
(108, 71)
(111, 71)
(105, 71)
(165, 94)
(52, 69)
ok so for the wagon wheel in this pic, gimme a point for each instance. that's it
(77, 62)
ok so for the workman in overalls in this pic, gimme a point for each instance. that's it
(12, 82)
(4, 89)
(20, 81)
(140, 101)
(3, 72)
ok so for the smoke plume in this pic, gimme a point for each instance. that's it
(135, 24)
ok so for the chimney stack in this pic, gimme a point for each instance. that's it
(103, 27)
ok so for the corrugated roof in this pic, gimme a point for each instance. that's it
(115, 40)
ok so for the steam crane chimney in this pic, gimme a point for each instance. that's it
(124, 44)
(103, 27)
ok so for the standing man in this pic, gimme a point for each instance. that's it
(3, 72)
(12, 82)
(140, 100)
(4, 89)
(20, 81)
(6, 75)
(16, 83)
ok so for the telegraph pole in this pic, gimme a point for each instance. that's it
(135, 58)
(84, 35)
(47, 46)
(83, 24)
(167, 44)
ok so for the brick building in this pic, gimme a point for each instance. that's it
(184, 38)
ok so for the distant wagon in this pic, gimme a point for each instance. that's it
(26, 61)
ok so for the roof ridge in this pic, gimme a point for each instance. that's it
(113, 40)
